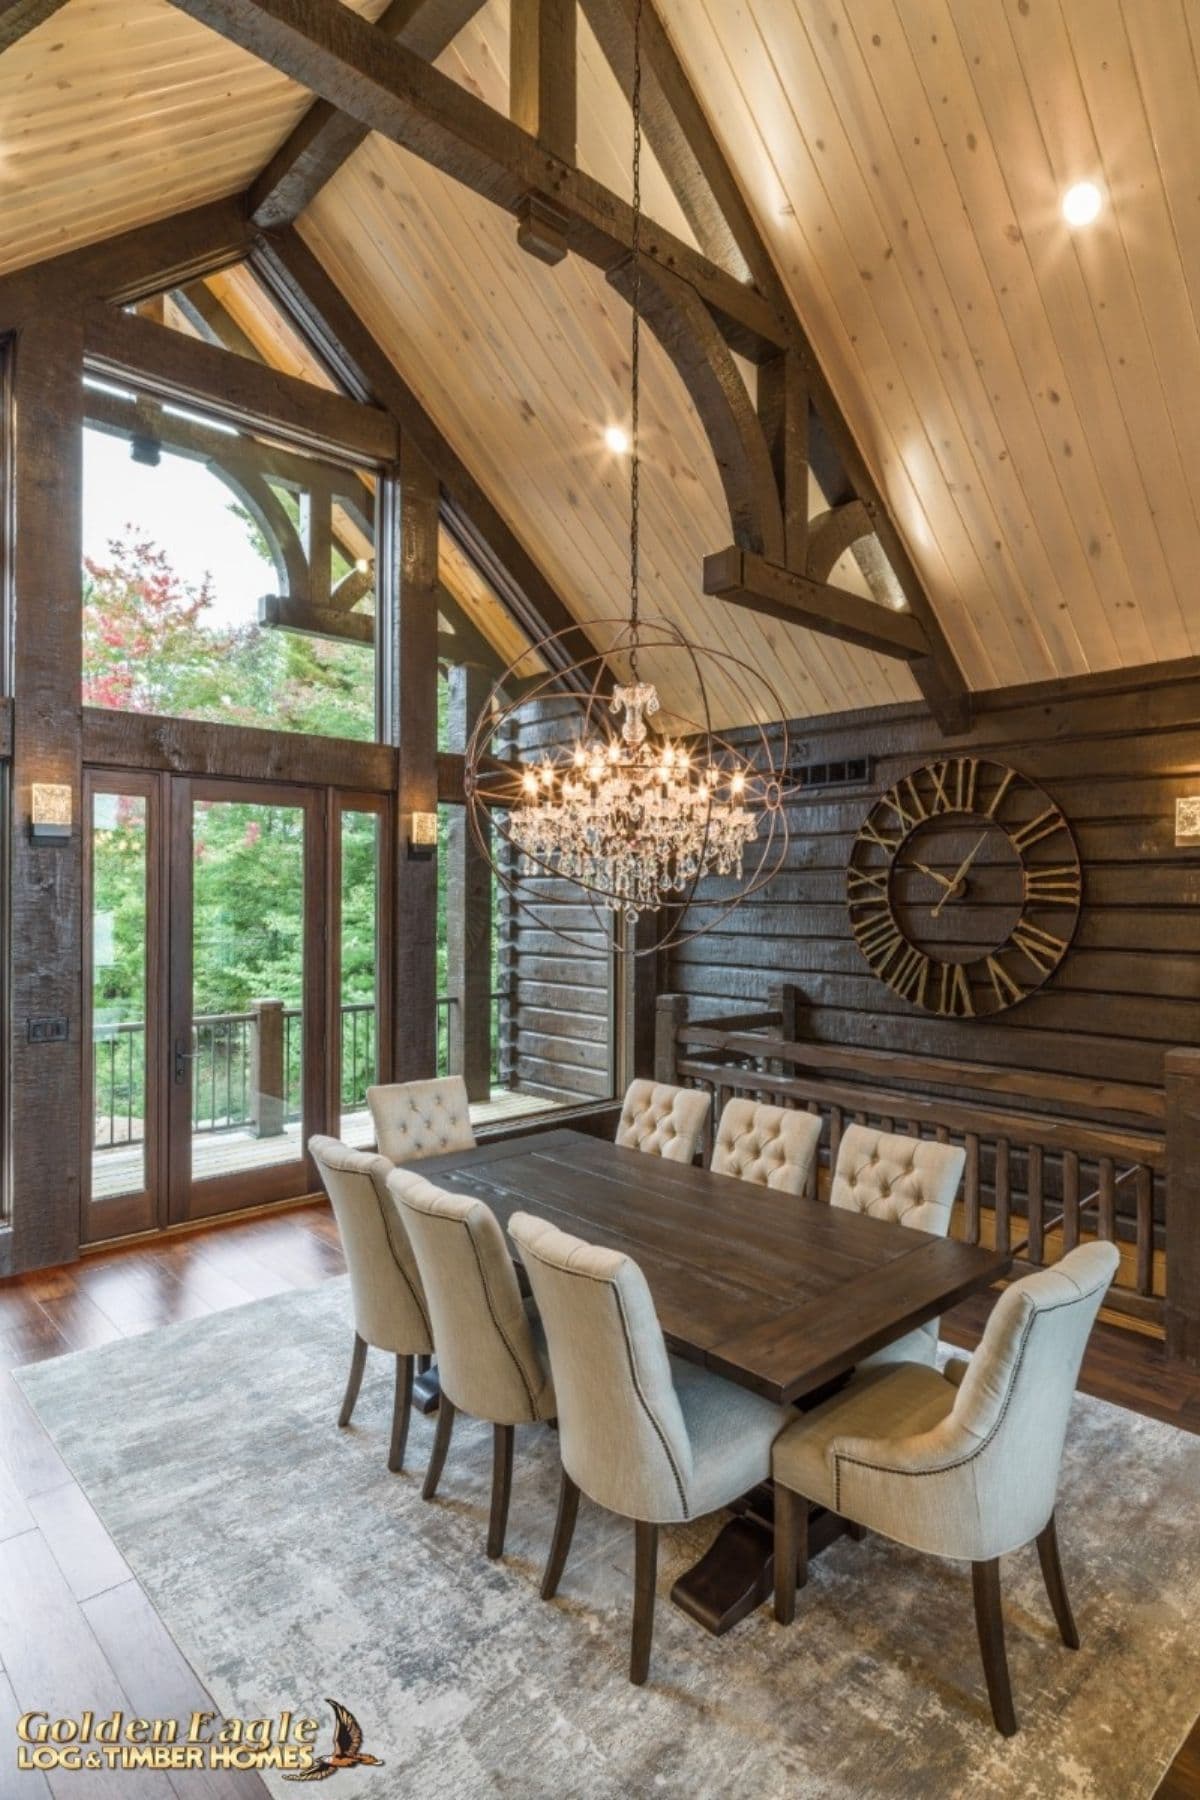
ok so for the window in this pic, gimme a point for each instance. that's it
(227, 577)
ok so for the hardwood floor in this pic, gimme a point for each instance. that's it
(76, 1628)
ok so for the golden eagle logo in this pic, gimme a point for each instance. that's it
(347, 1752)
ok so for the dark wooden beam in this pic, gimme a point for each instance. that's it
(181, 367)
(413, 729)
(783, 417)
(389, 89)
(688, 333)
(6, 712)
(119, 740)
(213, 322)
(281, 610)
(325, 138)
(291, 270)
(468, 878)
(747, 580)
(18, 17)
(831, 534)
(46, 880)
(130, 266)
(683, 141)
(542, 82)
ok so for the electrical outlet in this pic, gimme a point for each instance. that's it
(47, 1031)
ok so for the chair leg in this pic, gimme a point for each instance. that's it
(401, 1409)
(564, 1531)
(791, 1550)
(1056, 1587)
(989, 1623)
(441, 1443)
(358, 1363)
(502, 1461)
(855, 1530)
(424, 1363)
(645, 1574)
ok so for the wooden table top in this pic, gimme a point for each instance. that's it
(771, 1290)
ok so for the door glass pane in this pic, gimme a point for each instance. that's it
(247, 985)
(119, 917)
(359, 960)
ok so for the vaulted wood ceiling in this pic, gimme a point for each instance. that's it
(1027, 397)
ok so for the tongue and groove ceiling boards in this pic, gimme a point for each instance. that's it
(1026, 397)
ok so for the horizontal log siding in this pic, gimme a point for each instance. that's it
(1129, 989)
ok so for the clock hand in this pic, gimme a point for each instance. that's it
(959, 874)
(933, 875)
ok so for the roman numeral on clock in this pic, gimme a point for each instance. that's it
(954, 993)
(954, 784)
(909, 977)
(1059, 885)
(874, 836)
(906, 803)
(866, 887)
(1024, 836)
(1042, 948)
(1004, 987)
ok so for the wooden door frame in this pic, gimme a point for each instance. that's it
(249, 1188)
(124, 1214)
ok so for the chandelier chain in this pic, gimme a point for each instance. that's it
(635, 333)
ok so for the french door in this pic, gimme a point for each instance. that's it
(237, 990)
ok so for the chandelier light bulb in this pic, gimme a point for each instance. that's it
(616, 439)
(1081, 203)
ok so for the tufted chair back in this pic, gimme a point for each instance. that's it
(982, 1481)
(622, 1434)
(385, 1284)
(662, 1120)
(421, 1118)
(903, 1179)
(770, 1145)
(488, 1362)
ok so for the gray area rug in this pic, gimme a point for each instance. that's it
(290, 1565)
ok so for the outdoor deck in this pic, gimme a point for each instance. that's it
(118, 1169)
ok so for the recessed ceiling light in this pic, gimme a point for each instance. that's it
(1081, 203)
(616, 439)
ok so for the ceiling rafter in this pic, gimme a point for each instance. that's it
(326, 137)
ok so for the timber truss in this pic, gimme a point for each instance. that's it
(706, 305)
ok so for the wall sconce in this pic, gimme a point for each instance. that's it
(1187, 823)
(50, 813)
(423, 835)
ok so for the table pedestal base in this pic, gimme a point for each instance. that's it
(737, 1571)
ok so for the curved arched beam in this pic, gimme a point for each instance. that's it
(688, 333)
(831, 534)
(279, 532)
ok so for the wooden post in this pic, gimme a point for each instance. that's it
(468, 910)
(46, 880)
(1182, 1081)
(785, 998)
(635, 998)
(413, 689)
(268, 1077)
(670, 1013)
(542, 76)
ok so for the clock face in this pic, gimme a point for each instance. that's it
(964, 887)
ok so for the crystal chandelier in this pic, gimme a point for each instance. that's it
(637, 817)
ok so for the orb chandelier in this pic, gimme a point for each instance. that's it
(588, 777)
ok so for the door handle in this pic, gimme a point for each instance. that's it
(182, 1058)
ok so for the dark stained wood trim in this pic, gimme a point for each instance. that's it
(783, 415)
(294, 274)
(117, 740)
(688, 333)
(185, 368)
(542, 81)
(413, 728)
(1182, 1084)
(6, 727)
(130, 266)
(18, 17)
(325, 138)
(752, 581)
(389, 89)
(683, 141)
(45, 1093)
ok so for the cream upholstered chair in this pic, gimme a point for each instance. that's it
(908, 1181)
(421, 1118)
(771, 1145)
(489, 1359)
(389, 1304)
(662, 1120)
(963, 1464)
(646, 1435)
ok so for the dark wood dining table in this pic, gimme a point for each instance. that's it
(778, 1293)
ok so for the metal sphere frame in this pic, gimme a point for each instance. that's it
(581, 690)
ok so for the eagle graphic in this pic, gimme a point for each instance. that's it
(347, 1752)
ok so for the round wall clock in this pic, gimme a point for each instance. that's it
(964, 887)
